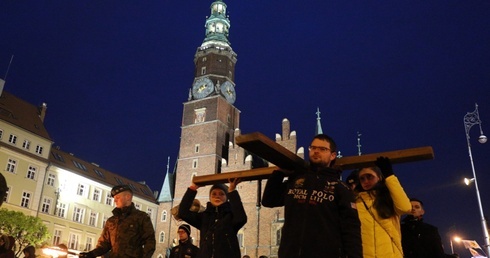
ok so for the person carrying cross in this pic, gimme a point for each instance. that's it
(320, 216)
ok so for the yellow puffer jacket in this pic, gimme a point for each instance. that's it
(382, 241)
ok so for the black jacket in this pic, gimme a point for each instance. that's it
(184, 250)
(420, 240)
(320, 218)
(218, 225)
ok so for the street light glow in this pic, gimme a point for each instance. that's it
(468, 181)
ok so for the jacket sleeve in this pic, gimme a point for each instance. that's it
(104, 242)
(239, 215)
(350, 225)
(193, 218)
(401, 201)
(274, 191)
(148, 237)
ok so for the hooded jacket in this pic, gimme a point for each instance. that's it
(218, 225)
(382, 237)
(320, 219)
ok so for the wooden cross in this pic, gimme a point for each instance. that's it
(278, 155)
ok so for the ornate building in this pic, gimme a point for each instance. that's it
(210, 123)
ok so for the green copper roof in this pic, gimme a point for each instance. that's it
(217, 24)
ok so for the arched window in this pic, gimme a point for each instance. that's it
(164, 216)
(161, 239)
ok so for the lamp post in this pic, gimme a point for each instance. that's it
(471, 119)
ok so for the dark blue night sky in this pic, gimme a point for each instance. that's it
(114, 75)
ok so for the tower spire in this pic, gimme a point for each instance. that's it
(217, 25)
(318, 129)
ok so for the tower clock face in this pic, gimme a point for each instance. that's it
(228, 90)
(202, 88)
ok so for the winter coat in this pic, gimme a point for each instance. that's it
(218, 226)
(128, 233)
(184, 250)
(420, 240)
(320, 219)
(381, 238)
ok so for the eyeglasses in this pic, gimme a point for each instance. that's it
(319, 148)
(367, 177)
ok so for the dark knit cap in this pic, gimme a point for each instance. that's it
(186, 228)
(221, 187)
(119, 189)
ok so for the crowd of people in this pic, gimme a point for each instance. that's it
(323, 216)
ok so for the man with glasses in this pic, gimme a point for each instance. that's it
(185, 249)
(320, 216)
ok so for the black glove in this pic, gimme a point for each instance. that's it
(86, 255)
(384, 164)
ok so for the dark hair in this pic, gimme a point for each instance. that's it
(31, 250)
(324, 137)
(417, 200)
(383, 203)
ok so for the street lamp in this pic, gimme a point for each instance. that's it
(456, 239)
(471, 119)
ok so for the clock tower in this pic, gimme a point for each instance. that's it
(209, 117)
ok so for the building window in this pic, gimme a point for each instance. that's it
(119, 181)
(161, 239)
(26, 197)
(99, 173)
(149, 211)
(11, 164)
(73, 242)
(78, 214)
(196, 148)
(1, 134)
(39, 149)
(57, 237)
(194, 163)
(89, 243)
(240, 239)
(26, 144)
(278, 237)
(58, 157)
(5, 199)
(81, 190)
(46, 206)
(31, 172)
(204, 59)
(13, 139)
(79, 165)
(109, 200)
(93, 219)
(137, 206)
(164, 216)
(97, 194)
(203, 70)
(61, 210)
(51, 178)
(104, 220)
(193, 175)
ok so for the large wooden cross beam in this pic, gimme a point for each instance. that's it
(278, 155)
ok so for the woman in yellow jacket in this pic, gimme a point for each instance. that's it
(380, 203)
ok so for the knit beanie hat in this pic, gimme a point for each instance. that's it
(221, 187)
(186, 228)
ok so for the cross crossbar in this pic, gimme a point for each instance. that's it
(278, 155)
